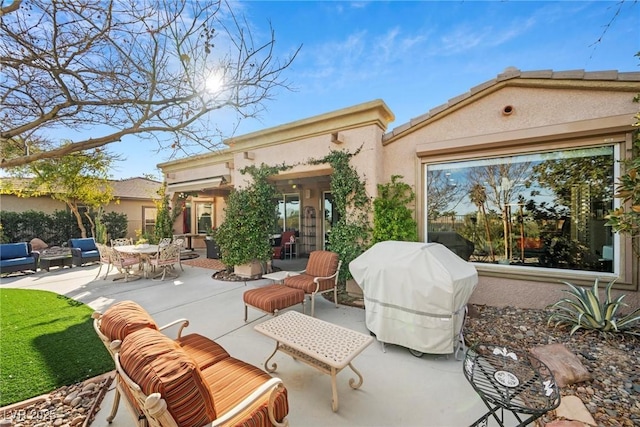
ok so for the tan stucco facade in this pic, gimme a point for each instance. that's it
(515, 113)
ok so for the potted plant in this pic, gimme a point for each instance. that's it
(243, 237)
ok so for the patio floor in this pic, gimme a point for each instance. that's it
(398, 388)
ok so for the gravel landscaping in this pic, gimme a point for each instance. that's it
(612, 396)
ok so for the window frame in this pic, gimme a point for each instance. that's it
(622, 259)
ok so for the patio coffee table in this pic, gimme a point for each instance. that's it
(279, 276)
(327, 347)
(55, 257)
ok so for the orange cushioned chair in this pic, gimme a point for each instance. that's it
(126, 317)
(173, 391)
(320, 276)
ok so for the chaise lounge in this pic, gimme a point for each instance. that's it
(184, 382)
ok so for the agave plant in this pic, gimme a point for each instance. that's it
(585, 310)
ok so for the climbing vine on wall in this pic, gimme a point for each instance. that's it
(350, 236)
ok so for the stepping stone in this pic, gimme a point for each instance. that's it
(566, 367)
(571, 408)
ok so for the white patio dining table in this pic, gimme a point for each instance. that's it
(145, 251)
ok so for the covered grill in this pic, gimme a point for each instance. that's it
(415, 294)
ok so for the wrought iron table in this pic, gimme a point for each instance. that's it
(511, 380)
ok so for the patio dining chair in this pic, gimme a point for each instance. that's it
(180, 242)
(124, 263)
(164, 241)
(165, 259)
(105, 259)
(125, 241)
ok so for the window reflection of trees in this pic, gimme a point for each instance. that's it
(544, 210)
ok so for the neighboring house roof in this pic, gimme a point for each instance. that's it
(135, 188)
(514, 77)
(130, 188)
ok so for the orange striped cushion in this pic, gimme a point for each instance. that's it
(301, 281)
(322, 263)
(202, 350)
(158, 365)
(273, 297)
(124, 317)
(231, 380)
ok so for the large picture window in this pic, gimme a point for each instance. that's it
(538, 210)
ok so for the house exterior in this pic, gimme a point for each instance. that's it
(133, 197)
(515, 175)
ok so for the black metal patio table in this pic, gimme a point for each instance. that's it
(510, 380)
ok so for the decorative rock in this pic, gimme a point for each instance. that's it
(566, 367)
(76, 420)
(564, 423)
(572, 408)
(70, 397)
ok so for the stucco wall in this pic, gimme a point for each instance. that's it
(13, 203)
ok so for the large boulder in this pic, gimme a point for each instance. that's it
(38, 244)
(566, 367)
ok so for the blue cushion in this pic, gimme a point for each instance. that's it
(90, 254)
(16, 261)
(87, 244)
(13, 250)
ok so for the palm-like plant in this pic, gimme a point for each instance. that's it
(585, 310)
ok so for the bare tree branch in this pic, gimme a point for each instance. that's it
(132, 67)
(11, 7)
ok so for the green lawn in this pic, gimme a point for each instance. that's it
(46, 341)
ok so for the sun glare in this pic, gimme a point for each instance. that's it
(214, 83)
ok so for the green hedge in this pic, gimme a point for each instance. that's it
(54, 229)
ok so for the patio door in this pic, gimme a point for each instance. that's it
(288, 213)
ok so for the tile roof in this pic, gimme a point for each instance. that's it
(130, 188)
(512, 73)
(135, 188)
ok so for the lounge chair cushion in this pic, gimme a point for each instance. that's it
(123, 318)
(231, 380)
(321, 264)
(205, 352)
(84, 244)
(14, 250)
(158, 365)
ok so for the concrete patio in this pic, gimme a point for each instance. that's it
(398, 388)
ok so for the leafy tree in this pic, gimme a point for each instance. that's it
(478, 197)
(164, 217)
(80, 180)
(127, 67)
(392, 217)
(244, 235)
(562, 175)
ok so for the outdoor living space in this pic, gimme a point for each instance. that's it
(398, 388)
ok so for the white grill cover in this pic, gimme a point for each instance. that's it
(415, 294)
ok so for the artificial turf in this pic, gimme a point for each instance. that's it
(46, 341)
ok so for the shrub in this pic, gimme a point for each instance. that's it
(392, 217)
(116, 223)
(585, 310)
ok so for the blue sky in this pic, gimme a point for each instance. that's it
(417, 55)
